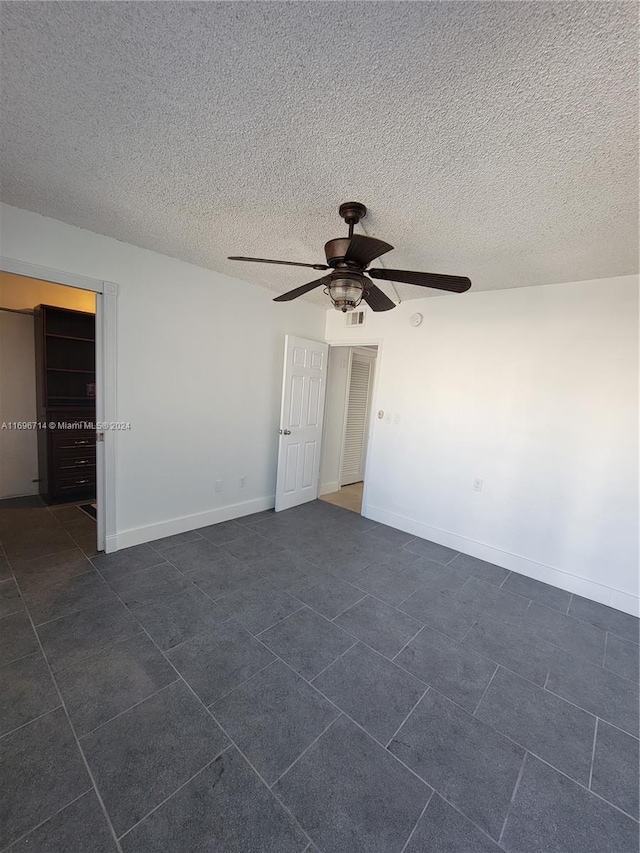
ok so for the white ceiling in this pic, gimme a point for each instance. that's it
(494, 140)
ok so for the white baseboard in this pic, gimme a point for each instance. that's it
(328, 488)
(151, 532)
(601, 593)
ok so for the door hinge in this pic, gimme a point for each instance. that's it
(99, 436)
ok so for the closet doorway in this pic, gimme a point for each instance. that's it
(347, 425)
(103, 392)
(48, 405)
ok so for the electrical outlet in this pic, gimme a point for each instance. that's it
(477, 484)
(219, 485)
(397, 418)
(243, 481)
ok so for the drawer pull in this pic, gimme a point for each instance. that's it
(80, 482)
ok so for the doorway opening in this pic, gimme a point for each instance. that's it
(48, 405)
(347, 426)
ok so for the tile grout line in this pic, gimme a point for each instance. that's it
(179, 788)
(308, 747)
(193, 636)
(286, 809)
(417, 634)
(340, 656)
(462, 639)
(95, 653)
(593, 752)
(415, 705)
(74, 734)
(420, 816)
(356, 639)
(346, 608)
(167, 547)
(71, 612)
(240, 684)
(591, 713)
(355, 722)
(210, 714)
(485, 691)
(513, 796)
(129, 574)
(36, 590)
(124, 711)
(570, 778)
(72, 547)
(32, 720)
(361, 727)
(277, 622)
(43, 822)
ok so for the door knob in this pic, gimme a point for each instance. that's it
(284, 431)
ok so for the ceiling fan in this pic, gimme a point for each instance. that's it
(348, 258)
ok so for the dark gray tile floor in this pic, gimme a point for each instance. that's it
(306, 681)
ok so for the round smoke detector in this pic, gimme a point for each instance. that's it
(415, 319)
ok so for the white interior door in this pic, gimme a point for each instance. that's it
(354, 445)
(303, 391)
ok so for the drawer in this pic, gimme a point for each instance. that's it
(73, 441)
(76, 463)
(75, 482)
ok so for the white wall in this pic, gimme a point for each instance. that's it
(19, 448)
(199, 375)
(535, 391)
(335, 402)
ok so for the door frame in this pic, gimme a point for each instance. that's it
(106, 338)
(369, 411)
(363, 342)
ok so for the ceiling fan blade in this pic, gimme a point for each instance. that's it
(376, 299)
(362, 250)
(453, 283)
(304, 288)
(287, 263)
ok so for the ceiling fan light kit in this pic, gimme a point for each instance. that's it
(346, 291)
(347, 285)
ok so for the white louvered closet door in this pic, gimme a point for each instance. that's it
(355, 433)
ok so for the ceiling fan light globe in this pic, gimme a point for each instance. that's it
(346, 293)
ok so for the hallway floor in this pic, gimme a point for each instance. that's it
(305, 681)
(349, 497)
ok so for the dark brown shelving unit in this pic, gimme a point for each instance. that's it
(66, 382)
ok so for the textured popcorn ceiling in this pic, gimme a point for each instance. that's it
(494, 140)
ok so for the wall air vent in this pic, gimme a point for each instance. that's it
(355, 318)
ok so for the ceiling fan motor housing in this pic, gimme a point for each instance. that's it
(335, 250)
